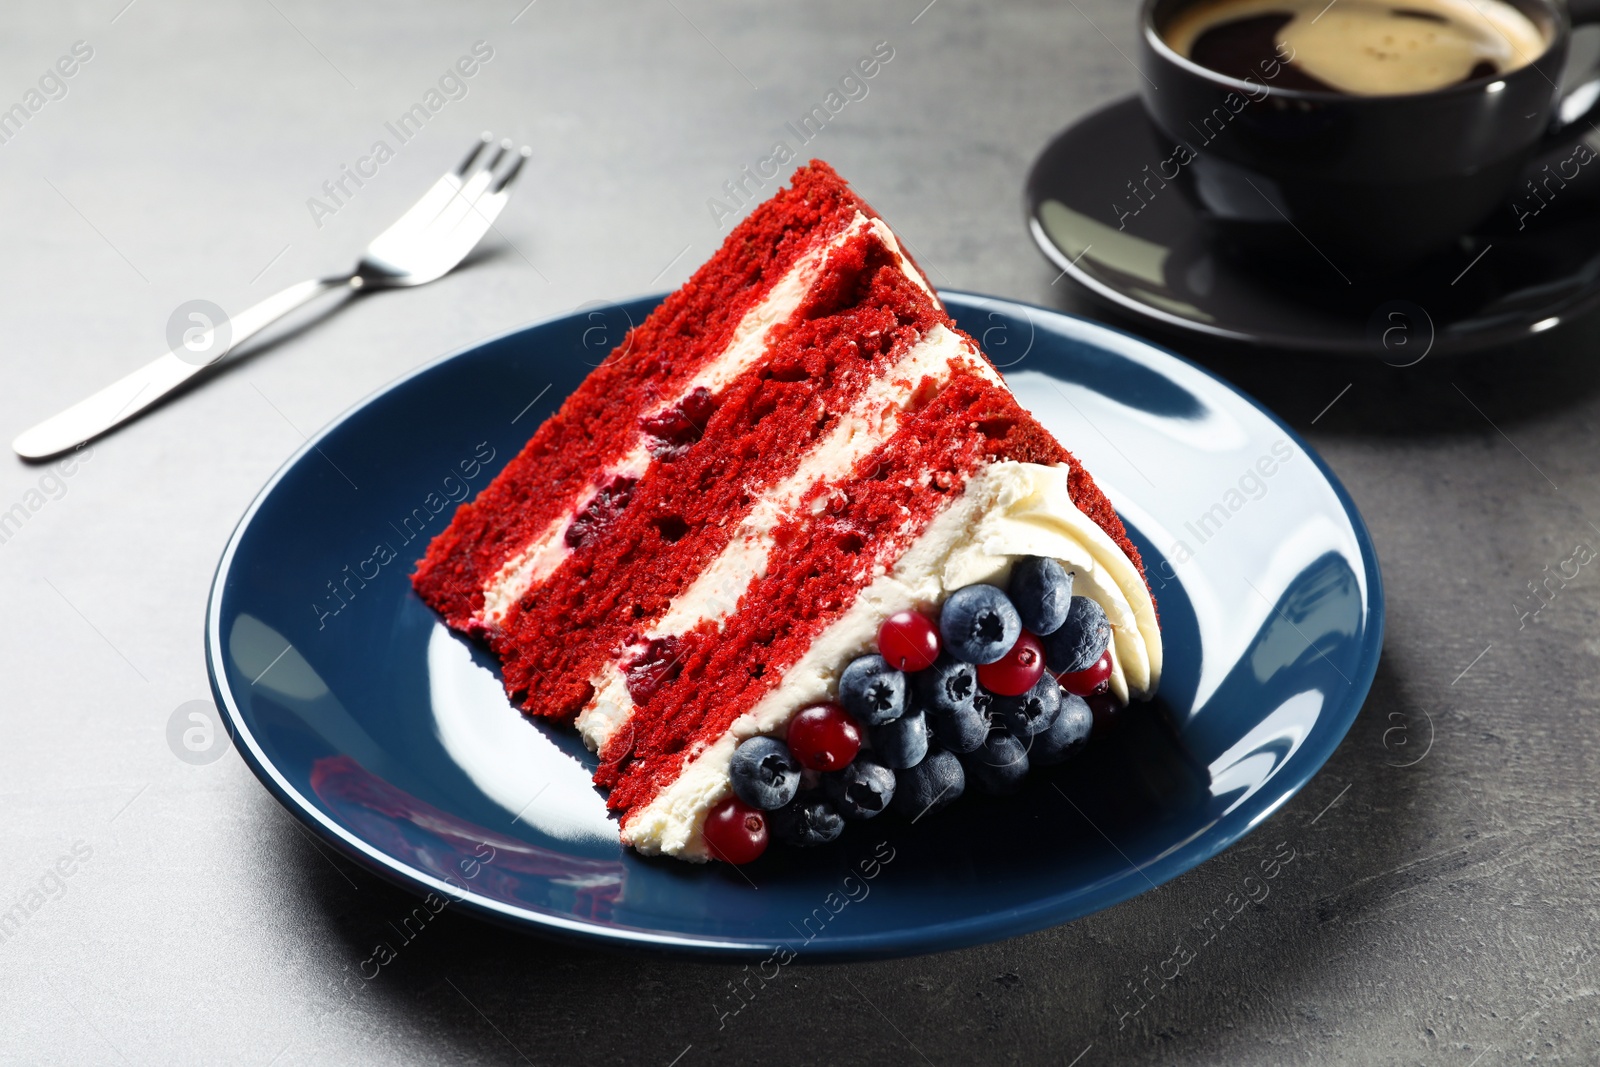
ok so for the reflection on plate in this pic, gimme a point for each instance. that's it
(503, 757)
(390, 737)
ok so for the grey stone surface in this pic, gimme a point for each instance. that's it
(1438, 913)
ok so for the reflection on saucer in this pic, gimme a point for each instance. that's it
(1140, 246)
(1114, 251)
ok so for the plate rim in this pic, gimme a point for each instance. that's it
(1444, 345)
(980, 928)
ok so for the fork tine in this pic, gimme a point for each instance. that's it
(499, 154)
(443, 228)
(474, 189)
(474, 186)
(426, 211)
(484, 140)
(473, 211)
(461, 204)
(511, 173)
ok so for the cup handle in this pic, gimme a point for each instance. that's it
(1586, 97)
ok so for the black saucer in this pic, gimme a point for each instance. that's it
(1501, 285)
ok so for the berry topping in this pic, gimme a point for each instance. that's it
(1033, 712)
(1081, 639)
(601, 510)
(948, 686)
(1016, 672)
(862, 789)
(902, 742)
(963, 729)
(934, 783)
(873, 691)
(1107, 711)
(824, 737)
(1067, 733)
(765, 773)
(1088, 681)
(1041, 589)
(908, 641)
(983, 704)
(735, 832)
(998, 765)
(978, 624)
(807, 821)
(974, 697)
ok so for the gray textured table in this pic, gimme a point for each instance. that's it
(1439, 913)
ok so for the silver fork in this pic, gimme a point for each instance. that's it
(426, 243)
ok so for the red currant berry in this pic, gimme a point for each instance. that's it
(1017, 671)
(1085, 682)
(909, 641)
(824, 737)
(1107, 712)
(735, 832)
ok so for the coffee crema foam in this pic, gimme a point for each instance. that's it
(1374, 48)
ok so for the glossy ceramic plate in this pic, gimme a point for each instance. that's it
(390, 737)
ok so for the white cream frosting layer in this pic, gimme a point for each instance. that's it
(537, 560)
(1007, 511)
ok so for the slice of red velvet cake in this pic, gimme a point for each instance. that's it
(795, 463)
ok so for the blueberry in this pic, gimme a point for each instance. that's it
(1031, 713)
(947, 686)
(999, 765)
(932, 784)
(862, 789)
(978, 624)
(983, 704)
(963, 729)
(873, 691)
(1041, 589)
(765, 773)
(1066, 735)
(807, 820)
(901, 743)
(1081, 639)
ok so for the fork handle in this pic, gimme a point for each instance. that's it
(131, 394)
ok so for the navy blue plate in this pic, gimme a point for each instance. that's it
(390, 737)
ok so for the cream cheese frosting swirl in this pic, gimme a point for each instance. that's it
(1033, 515)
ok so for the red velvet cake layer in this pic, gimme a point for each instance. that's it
(682, 513)
(597, 424)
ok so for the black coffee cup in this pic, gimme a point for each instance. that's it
(1369, 185)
